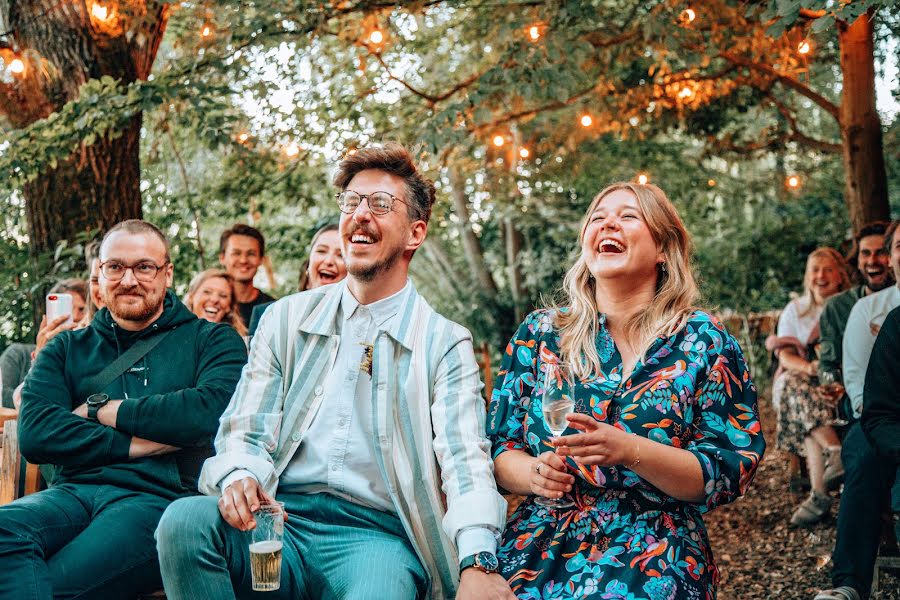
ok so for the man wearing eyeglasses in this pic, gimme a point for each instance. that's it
(127, 408)
(361, 410)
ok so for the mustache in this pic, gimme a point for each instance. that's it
(357, 228)
(135, 291)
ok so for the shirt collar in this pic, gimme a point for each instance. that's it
(381, 310)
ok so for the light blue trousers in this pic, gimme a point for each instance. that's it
(333, 549)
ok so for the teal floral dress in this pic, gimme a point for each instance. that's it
(625, 539)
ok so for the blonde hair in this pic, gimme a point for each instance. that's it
(676, 288)
(232, 317)
(807, 301)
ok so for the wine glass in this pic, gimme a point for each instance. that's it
(832, 387)
(557, 402)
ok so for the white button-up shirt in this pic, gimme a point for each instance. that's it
(337, 454)
(859, 338)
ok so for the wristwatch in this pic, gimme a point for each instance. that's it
(94, 403)
(483, 561)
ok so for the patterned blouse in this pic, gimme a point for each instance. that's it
(625, 538)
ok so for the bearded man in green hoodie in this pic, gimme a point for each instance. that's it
(126, 408)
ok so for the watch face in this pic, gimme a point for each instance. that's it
(95, 399)
(487, 561)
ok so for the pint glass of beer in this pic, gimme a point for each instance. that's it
(265, 547)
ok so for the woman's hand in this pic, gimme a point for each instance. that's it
(47, 331)
(549, 477)
(812, 368)
(600, 444)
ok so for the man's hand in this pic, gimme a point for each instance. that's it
(475, 584)
(240, 500)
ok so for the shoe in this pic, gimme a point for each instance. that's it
(834, 469)
(844, 592)
(812, 510)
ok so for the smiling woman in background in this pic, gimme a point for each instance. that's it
(211, 297)
(804, 411)
(325, 264)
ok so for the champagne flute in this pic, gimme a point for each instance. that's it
(833, 388)
(557, 402)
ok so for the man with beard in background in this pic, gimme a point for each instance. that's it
(241, 251)
(127, 408)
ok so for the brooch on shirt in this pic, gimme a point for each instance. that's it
(365, 365)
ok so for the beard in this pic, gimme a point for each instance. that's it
(149, 304)
(885, 283)
(369, 272)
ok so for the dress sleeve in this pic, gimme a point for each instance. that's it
(787, 322)
(508, 407)
(728, 439)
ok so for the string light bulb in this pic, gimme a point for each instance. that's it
(100, 12)
(711, 183)
(685, 93)
(16, 66)
(793, 182)
(586, 120)
(534, 33)
(688, 15)
(242, 138)
(642, 178)
(804, 47)
(498, 140)
(376, 37)
(206, 30)
(524, 152)
(292, 150)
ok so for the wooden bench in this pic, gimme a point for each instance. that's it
(13, 482)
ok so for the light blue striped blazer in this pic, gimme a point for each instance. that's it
(428, 417)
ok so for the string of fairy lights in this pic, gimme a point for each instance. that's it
(104, 15)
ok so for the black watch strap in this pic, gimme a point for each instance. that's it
(94, 403)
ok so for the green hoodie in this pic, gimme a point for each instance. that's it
(174, 395)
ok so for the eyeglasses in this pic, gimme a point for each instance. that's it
(145, 271)
(380, 203)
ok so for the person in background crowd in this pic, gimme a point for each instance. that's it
(211, 296)
(360, 409)
(872, 263)
(15, 362)
(324, 265)
(804, 409)
(241, 251)
(869, 473)
(94, 301)
(127, 407)
(665, 403)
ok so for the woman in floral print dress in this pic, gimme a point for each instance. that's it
(665, 407)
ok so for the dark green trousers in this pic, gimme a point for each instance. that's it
(80, 541)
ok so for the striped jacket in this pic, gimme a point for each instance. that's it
(428, 417)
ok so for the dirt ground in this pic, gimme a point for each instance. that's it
(758, 555)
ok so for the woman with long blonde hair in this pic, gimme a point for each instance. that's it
(665, 423)
(803, 407)
(211, 296)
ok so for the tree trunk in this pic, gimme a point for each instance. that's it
(480, 273)
(65, 46)
(513, 238)
(866, 180)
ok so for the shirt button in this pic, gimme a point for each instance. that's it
(381, 386)
(382, 439)
(319, 390)
(296, 436)
(342, 422)
(334, 467)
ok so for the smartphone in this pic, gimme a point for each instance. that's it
(59, 305)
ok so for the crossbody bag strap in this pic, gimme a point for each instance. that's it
(98, 382)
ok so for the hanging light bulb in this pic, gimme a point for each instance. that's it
(534, 32)
(242, 138)
(16, 66)
(498, 140)
(206, 30)
(100, 12)
(793, 181)
(711, 183)
(586, 120)
(804, 47)
(642, 179)
(688, 15)
(524, 152)
(292, 150)
(376, 37)
(685, 93)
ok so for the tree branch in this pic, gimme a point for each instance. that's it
(804, 90)
(431, 99)
(798, 136)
